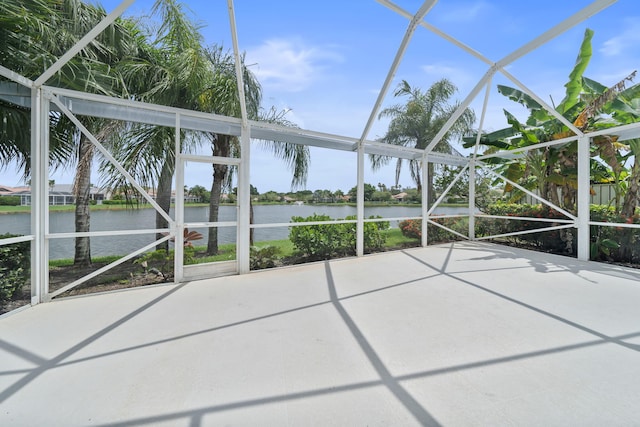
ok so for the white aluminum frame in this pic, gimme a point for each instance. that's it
(40, 98)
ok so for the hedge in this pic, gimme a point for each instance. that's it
(10, 201)
(324, 241)
(616, 244)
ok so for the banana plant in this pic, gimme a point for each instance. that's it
(590, 106)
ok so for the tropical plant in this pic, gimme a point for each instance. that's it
(417, 121)
(589, 106)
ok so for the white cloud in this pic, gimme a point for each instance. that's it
(620, 44)
(289, 65)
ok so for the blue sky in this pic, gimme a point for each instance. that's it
(326, 61)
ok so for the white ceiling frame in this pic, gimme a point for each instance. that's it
(594, 8)
(103, 106)
(238, 64)
(408, 35)
(437, 31)
(12, 75)
(545, 37)
(319, 139)
(575, 19)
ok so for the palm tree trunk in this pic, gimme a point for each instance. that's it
(219, 173)
(82, 256)
(163, 198)
(250, 222)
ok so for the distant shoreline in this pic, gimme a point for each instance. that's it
(4, 210)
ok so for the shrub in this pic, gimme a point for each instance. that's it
(558, 241)
(14, 267)
(9, 200)
(263, 257)
(324, 241)
(412, 228)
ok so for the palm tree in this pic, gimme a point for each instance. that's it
(221, 97)
(417, 121)
(28, 30)
(51, 29)
(175, 70)
(170, 69)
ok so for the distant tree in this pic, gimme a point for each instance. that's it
(460, 189)
(368, 192)
(413, 195)
(200, 192)
(381, 196)
(269, 196)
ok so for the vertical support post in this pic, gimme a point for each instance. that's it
(584, 146)
(244, 175)
(425, 199)
(244, 202)
(178, 259)
(360, 203)
(39, 195)
(472, 199)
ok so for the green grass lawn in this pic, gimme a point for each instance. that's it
(227, 252)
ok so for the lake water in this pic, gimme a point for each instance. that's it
(107, 220)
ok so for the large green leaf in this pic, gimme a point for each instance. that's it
(495, 139)
(626, 106)
(527, 135)
(519, 97)
(574, 85)
(593, 86)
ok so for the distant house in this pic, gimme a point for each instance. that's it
(188, 198)
(5, 190)
(58, 195)
(400, 196)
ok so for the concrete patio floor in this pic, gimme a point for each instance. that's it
(455, 335)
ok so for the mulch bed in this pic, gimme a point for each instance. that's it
(126, 275)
